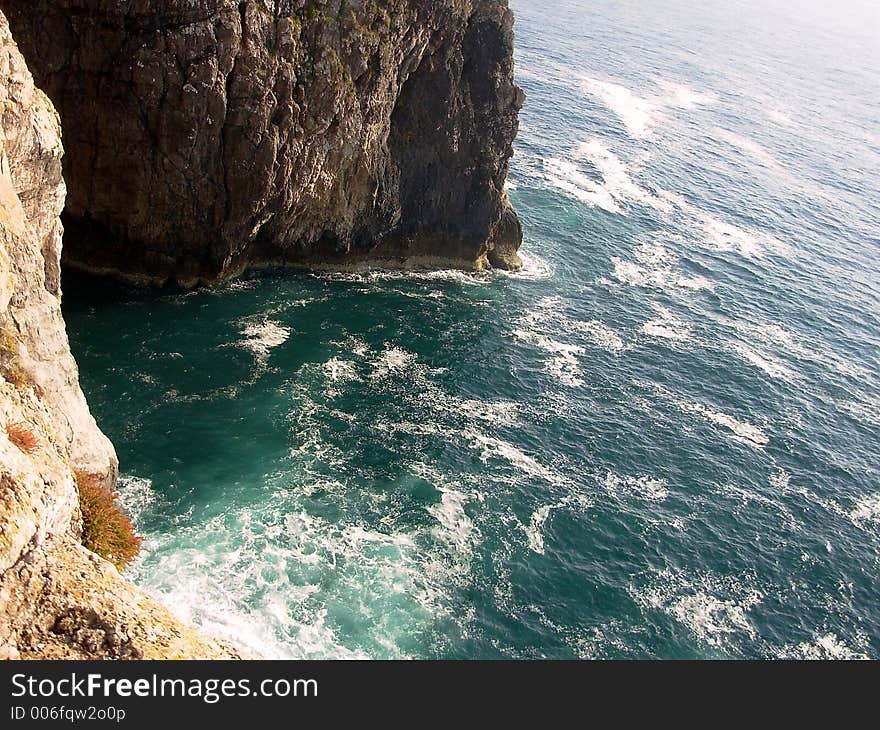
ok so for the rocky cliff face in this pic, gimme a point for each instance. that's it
(206, 136)
(56, 598)
(34, 342)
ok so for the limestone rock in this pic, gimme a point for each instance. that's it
(34, 342)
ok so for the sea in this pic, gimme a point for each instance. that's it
(659, 439)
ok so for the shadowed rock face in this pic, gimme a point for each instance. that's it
(57, 600)
(207, 136)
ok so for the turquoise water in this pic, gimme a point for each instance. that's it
(660, 439)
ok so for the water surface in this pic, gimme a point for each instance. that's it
(660, 439)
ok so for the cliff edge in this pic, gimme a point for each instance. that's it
(57, 599)
(204, 137)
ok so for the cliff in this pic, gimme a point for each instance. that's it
(208, 136)
(56, 598)
(204, 137)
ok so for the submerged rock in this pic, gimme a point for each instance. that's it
(208, 136)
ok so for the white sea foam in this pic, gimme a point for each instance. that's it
(708, 616)
(721, 235)
(774, 337)
(547, 306)
(353, 345)
(308, 444)
(601, 336)
(616, 178)
(829, 505)
(749, 147)
(536, 525)
(456, 528)
(535, 529)
(212, 588)
(338, 370)
(682, 96)
(780, 480)
(261, 337)
(568, 177)
(413, 382)
(743, 431)
(563, 363)
(654, 255)
(715, 233)
(823, 647)
(491, 447)
(640, 114)
(770, 365)
(843, 365)
(642, 487)
(136, 496)
(770, 334)
(867, 510)
(867, 413)
(715, 609)
(393, 361)
(337, 373)
(503, 413)
(613, 188)
(779, 116)
(747, 496)
(234, 285)
(534, 268)
(666, 326)
(616, 188)
(611, 639)
(664, 329)
(548, 319)
(395, 582)
(413, 429)
(373, 276)
(637, 113)
(655, 267)
(446, 408)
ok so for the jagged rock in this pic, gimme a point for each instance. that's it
(206, 136)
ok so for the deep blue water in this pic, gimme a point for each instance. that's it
(661, 439)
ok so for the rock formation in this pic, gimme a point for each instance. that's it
(208, 136)
(56, 598)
